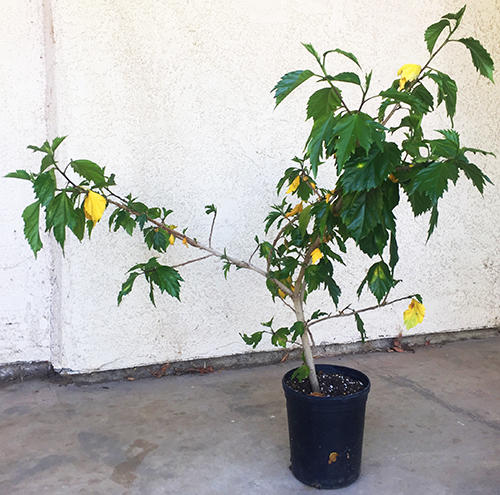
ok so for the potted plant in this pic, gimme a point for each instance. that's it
(378, 156)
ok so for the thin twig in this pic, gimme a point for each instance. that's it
(192, 261)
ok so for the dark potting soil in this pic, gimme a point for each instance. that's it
(330, 384)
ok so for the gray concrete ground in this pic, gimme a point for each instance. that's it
(432, 427)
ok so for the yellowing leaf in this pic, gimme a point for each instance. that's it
(294, 185)
(185, 242)
(94, 206)
(288, 283)
(414, 314)
(409, 72)
(297, 209)
(316, 255)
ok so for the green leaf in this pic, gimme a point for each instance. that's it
(349, 55)
(422, 93)
(474, 174)
(366, 173)
(298, 330)
(393, 251)
(321, 134)
(361, 327)
(79, 227)
(59, 215)
(433, 180)
(392, 96)
(304, 218)
(301, 373)
(323, 103)
(333, 289)
(253, 339)
(350, 77)
(480, 57)
(361, 212)
(289, 82)
(47, 162)
(433, 32)
(420, 202)
(122, 218)
(159, 241)
(45, 187)
(457, 17)
(127, 286)
(19, 174)
(353, 130)
(31, 217)
(167, 279)
(311, 50)
(433, 221)
(380, 280)
(89, 170)
(56, 142)
(447, 91)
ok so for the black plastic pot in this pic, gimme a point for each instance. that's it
(326, 433)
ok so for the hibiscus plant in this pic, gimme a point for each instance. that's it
(377, 158)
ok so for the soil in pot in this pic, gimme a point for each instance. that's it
(330, 384)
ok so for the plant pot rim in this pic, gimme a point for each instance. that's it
(345, 370)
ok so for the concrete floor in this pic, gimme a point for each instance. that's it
(432, 427)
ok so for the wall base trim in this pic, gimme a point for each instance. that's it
(22, 371)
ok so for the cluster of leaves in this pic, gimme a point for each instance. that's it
(64, 207)
(375, 165)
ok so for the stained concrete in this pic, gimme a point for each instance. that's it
(432, 427)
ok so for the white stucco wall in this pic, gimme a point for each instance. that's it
(174, 97)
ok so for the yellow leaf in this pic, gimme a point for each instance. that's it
(185, 242)
(414, 314)
(171, 239)
(408, 72)
(316, 255)
(94, 206)
(294, 185)
(297, 209)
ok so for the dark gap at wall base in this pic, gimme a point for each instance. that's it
(43, 370)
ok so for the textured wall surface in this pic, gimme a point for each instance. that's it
(174, 97)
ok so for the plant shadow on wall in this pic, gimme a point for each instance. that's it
(377, 159)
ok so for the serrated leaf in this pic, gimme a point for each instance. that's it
(31, 217)
(59, 215)
(422, 93)
(127, 286)
(89, 170)
(361, 212)
(321, 134)
(45, 186)
(480, 57)
(368, 173)
(433, 32)
(458, 16)
(323, 102)
(433, 221)
(298, 330)
(433, 180)
(350, 77)
(56, 142)
(311, 49)
(414, 314)
(167, 279)
(289, 82)
(447, 91)
(19, 174)
(357, 129)
(349, 55)
(253, 339)
(474, 174)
